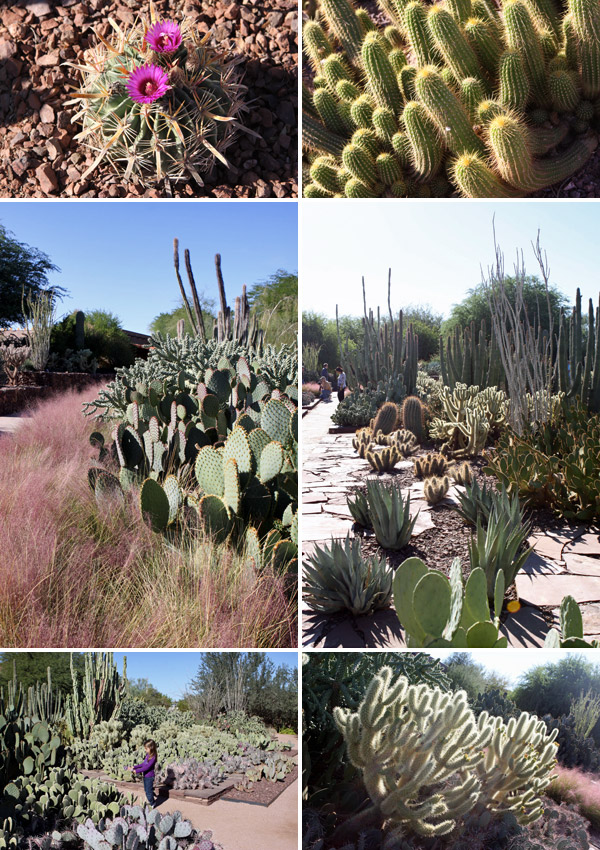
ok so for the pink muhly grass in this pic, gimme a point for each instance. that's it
(312, 387)
(164, 37)
(147, 83)
(573, 786)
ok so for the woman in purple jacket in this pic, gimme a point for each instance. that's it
(146, 768)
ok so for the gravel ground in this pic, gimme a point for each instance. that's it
(36, 135)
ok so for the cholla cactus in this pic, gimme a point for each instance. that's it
(408, 740)
(12, 358)
(157, 102)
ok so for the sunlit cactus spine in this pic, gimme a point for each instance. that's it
(158, 102)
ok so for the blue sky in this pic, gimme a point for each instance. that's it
(170, 672)
(512, 663)
(119, 256)
(435, 249)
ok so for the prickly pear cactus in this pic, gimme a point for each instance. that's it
(157, 102)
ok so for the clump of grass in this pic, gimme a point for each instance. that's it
(75, 575)
(575, 787)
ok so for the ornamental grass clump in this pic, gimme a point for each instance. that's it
(157, 102)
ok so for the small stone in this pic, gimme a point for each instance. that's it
(49, 59)
(46, 178)
(38, 8)
(46, 114)
(54, 149)
(20, 166)
(7, 49)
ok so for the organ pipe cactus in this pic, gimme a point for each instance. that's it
(157, 111)
(412, 743)
(469, 115)
(389, 352)
(467, 357)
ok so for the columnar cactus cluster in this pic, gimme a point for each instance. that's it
(98, 696)
(409, 739)
(467, 357)
(157, 102)
(464, 97)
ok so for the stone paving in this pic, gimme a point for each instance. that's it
(9, 424)
(563, 562)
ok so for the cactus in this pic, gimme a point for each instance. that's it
(413, 415)
(430, 465)
(338, 578)
(435, 489)
(439, 611)
(101, 689)
(462, 474)
(175, 122)
(385, 421)
(492, 766)
(144, 828)
(387, 458)
(571, 628)
(433, 116)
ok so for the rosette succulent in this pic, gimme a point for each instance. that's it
(157, 102)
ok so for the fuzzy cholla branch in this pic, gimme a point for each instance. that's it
(408, 740)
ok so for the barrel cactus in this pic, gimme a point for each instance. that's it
(157, 102)
(475, 98)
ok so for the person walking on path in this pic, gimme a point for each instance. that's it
(325, 371)
(146, 768)
(341, 383)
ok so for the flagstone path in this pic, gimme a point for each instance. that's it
(563, 562)
(9, 424)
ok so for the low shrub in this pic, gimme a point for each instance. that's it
(574, 787)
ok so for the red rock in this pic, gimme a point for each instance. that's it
(20, 166)
(54, 149)
(46, 114)
(39, 8)
(49, 59)
(232, 11)
(7, 49)
(46, 178)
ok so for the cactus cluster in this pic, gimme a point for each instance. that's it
(218, 445)
(385, 420)
(413, 416)
(435, 489)
(470, 417)
(466, 357)
(427, 762)
(337, 577)
(499, 101)
(143, 828)
(430, 464)
(157, 112)
(98, 696)
(461, 473)
(437, 611)
(382, 449)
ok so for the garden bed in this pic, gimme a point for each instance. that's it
(37, 38)
(263, 793)
(565, 560)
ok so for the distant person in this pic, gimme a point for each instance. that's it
(325, 390)
(146, 768)
(325, 371)
(341, 383)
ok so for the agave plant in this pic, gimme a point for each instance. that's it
(338, 577)
(157, 102)
(390, 515)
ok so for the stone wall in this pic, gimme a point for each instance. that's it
(44, 385)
